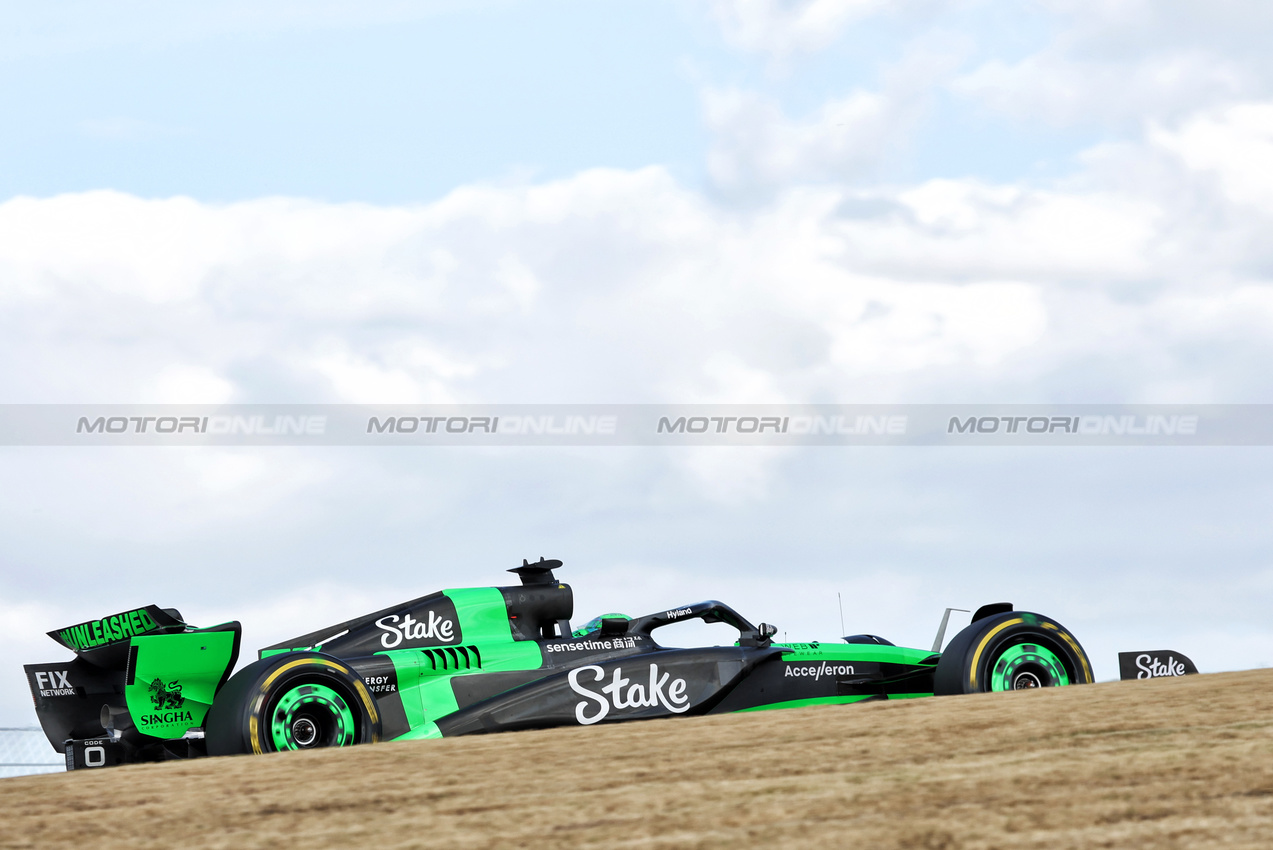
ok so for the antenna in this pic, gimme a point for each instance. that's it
(841, 601)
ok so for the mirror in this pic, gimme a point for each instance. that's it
(613, 626)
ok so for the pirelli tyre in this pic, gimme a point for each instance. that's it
(293, 701)
(1016, 650)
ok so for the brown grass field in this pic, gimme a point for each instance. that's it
(1179, 763)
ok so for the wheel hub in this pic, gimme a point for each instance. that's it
(304, 732)
(1026, 680)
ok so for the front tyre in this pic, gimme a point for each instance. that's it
(292, 701)
(1016, 650)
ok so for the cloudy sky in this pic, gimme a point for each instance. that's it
(853, 201)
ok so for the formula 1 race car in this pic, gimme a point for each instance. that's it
(145, 686)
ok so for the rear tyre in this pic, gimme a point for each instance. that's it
(1016, 650)
(293, 701)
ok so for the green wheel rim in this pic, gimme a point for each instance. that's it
(1027, 665)
(310, 716)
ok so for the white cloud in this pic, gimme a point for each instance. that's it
(22, 629)
(189, 384)
(757, 145)
(1059, 89)
(627, 286)
(784, 27)
(167, 497)
(1234, 144)
(969, 228)
(407, 372)
(485, 292)
(87, 244)
(978, 325)
(1120, 64)
(730, 475)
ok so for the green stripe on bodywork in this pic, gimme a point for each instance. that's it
(426, 692)
(426, 731)
(483, 615)
(800, 703)
(842, 700)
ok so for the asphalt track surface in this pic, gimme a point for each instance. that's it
(1180, 763)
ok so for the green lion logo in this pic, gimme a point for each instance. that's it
(166, 697)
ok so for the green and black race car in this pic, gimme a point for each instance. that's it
(145, 686)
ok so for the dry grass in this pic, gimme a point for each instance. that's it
(1180, 763)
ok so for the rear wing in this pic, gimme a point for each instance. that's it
(105, 642)
(139, 678)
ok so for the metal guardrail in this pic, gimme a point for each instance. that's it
(24, 751)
